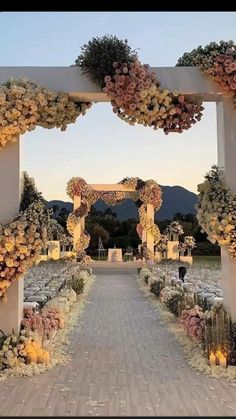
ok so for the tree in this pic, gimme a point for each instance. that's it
(30, 192)
(98, 232)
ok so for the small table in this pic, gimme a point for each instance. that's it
(115, 255)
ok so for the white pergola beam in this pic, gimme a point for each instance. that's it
(188, 80)
(116, 187)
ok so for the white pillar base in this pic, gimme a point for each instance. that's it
(11, 312)
(54, 251)
(228, 274)
(186, 259)
(172, 250)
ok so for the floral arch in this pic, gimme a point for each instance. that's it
(147, 194)
(169, 99)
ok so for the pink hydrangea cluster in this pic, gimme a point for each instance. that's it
(76, 186)
(112, 197)
(193, 323)
(139, 230)
(151, 193)
(223, 71)
(137, 97)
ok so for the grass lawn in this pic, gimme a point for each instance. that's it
(206, 260)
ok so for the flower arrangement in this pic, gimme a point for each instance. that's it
(175, 229)
(216, 211)
(181, 247)
(22, 349)
(162, 246)
(56, 232)
(173, 298)
(83, 242)
(140, 229)
(112, 197)
(76, 187)
(193, 322)
(136, 95)
(71, 223)
(146, 223)
(82, 210)
(151, 193)
(21, 242)
(45, 323)
(217, 60)
(157, 285)
(25, 105)
(189, 242)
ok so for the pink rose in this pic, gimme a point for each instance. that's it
(107, 78)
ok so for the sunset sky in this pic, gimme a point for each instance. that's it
(99, 147)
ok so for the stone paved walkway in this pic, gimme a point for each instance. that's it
(125, 363)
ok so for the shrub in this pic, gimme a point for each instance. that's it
(157, 285)
(173, 298)
(98, 55)
(77, 284)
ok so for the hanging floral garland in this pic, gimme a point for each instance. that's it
(83, 210)
(216, 211)
(136, 94)
(112, 197)
(71, 223)
(83, 242)
(151, 193)
(21, 242)
(25, 105)
(217, 60)
(148, 225)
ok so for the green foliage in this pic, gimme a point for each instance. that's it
(157, 285)
(96, 232)
(146, 278)
(30, 193)
(77, 284)
(203, 57)
(175, 303)
(98, 55)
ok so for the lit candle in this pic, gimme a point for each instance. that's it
(222, 360)
(212, 358)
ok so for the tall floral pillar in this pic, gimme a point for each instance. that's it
(226, 134)
(149, 234)
(173, 231)
(11, 311)
(80, 225)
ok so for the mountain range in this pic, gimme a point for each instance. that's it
(175, 199)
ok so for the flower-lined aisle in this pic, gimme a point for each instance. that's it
(44, 338)
(193, 312)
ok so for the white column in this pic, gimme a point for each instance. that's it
(150, 238)
(11, 312)
(226, 135)
(79, 228)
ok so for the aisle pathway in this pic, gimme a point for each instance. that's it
(124, 363)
